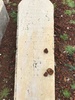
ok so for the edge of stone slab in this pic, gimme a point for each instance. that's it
(4, 19)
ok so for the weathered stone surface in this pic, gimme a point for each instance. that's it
(4, 18)
(35, 51)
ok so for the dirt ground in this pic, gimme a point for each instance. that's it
(64, 63)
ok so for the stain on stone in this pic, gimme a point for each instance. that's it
(35, 64)
(46, 74)
(40, 62)
(45, 50)
(49, 71)
(28, 91)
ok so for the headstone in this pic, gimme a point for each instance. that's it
(4, 19)
(35, 74)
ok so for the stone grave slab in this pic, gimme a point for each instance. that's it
(4, 19)
(35, 72)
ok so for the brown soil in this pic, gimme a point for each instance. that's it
(7, 51)
(64, 76)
